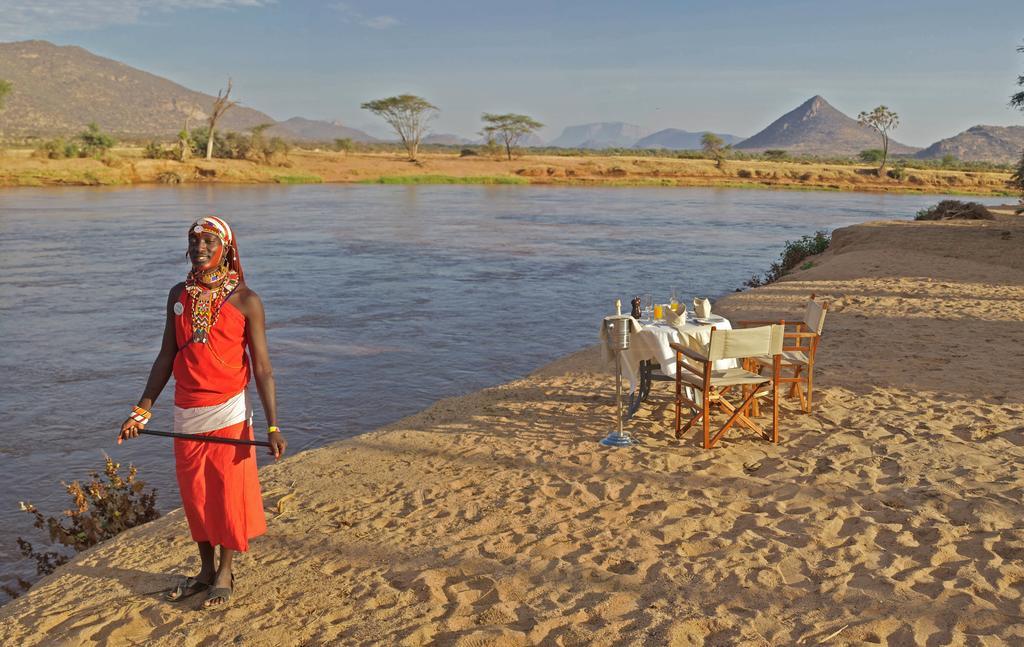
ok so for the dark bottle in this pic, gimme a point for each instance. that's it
(636, 308)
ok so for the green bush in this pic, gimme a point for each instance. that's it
(154, 151)
(100, 509)
(793, 253)
(1017, 179)
(775, 154)
(94, 142)
(58, 149)
(871, 156)
(344, 145)
(898, 171)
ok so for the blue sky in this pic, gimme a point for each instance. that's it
(731, 66)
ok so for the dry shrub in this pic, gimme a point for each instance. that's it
(955, 210)
(101, 508)
(744, 173)
(169, 177)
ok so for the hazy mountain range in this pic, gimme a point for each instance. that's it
(676, 139)
(58, 90)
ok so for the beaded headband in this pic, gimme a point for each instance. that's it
(221, 229)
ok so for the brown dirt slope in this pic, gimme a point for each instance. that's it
(58, 90)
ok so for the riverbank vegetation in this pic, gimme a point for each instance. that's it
(101, 507)
(267, 160)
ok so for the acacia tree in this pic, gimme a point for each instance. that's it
(220, 106)
(509, 128)
(1017, 100)
(882, 120)
(408, 115)
(714, 147)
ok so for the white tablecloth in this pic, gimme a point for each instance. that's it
(652, 343)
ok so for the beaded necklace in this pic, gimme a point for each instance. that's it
(209, 290)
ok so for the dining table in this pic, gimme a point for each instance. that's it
(650, 356)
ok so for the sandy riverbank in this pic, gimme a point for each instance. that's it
(892, 515)
(126, 166)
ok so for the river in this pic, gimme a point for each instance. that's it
(379, 299)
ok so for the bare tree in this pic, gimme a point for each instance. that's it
(510, 128)
(220, 106)
(883, 120)
(408, 115)
(184, 143)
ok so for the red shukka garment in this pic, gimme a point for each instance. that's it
(220, 490)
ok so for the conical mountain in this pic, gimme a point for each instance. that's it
(817, 128)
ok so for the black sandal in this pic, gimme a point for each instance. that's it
(186, 588)
(221, 593)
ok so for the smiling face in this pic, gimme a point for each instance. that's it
(204, 250)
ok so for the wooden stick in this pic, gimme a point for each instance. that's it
(205, 439)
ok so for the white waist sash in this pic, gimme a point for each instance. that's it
(200, 420)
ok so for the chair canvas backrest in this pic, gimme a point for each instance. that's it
(814, 317)
(746, 342)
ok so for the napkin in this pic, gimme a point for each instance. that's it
(675, 320)
(702, 308)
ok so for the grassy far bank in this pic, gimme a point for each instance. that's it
(128, 166)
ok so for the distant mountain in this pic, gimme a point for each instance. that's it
(614, 134)
(58, 90)
(446, 139)
(816, 128)
(1003, 144)
(309, 130)
(675, 139)
(531, 140)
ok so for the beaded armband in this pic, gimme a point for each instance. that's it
(273, 430)
(140, 415)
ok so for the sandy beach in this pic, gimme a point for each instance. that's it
(891, 515)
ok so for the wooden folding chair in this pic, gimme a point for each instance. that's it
(798, 351)
(713, 384)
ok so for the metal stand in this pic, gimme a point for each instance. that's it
(617, 337)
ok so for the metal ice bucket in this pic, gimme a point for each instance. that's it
(617, 332)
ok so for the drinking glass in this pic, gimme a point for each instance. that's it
(658, 312)
(647, 307)
(673, 301)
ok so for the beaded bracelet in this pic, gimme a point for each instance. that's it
(273, 429)
(140, 415)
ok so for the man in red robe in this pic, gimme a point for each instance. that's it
(213, 318)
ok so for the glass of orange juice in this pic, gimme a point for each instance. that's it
(658, 311)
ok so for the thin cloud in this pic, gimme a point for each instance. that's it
(350, 14)
(20, 19)
(381, 22)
